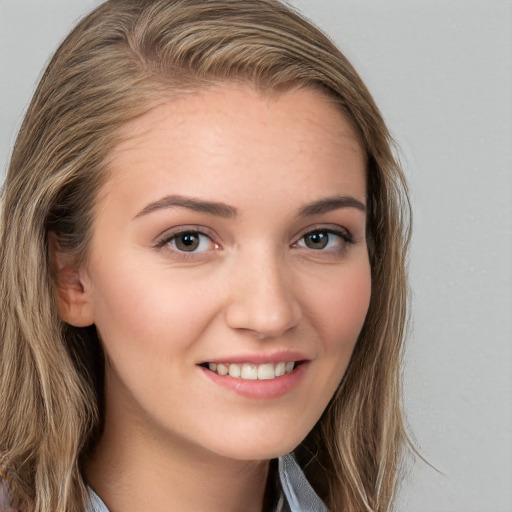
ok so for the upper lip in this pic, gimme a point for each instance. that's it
(260, 358)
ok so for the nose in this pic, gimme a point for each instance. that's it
(262, 297)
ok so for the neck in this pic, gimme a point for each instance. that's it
(133, 470)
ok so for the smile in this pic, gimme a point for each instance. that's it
(250, 371)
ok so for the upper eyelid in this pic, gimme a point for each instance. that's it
(171, 233)
(332, 228)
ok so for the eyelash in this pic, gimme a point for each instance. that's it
(169, 237)
(344, 236)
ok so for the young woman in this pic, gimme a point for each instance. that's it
(202, 271)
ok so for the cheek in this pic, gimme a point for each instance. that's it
(341, 309)
(149, 310)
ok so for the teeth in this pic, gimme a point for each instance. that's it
(280, 369)
(266, 371)
(234, 370)
(222, 369)
(249, 371)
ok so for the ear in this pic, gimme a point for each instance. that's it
(71, 285)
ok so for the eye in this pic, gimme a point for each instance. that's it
(189, 242)
(324, 239)
(316, 240)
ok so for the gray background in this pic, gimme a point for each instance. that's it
(441, 72)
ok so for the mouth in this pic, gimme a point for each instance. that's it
(251, 371)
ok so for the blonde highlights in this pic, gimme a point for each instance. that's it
(122, 59)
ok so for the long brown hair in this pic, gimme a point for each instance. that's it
(123, 58)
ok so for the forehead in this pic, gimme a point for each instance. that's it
(242, 137)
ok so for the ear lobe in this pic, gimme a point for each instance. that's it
(73, 297)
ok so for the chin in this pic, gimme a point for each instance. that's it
(260, 446)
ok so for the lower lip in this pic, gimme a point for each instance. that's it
(259, 389)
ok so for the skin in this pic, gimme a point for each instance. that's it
(174, 439)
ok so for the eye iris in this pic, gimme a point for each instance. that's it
(187, 242)
(317, 240)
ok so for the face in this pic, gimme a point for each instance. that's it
(228, 274)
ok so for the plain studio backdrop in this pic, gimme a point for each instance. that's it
(441, 72)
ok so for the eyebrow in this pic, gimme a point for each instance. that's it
(331, 203)
(325, 205)
(191, 203)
